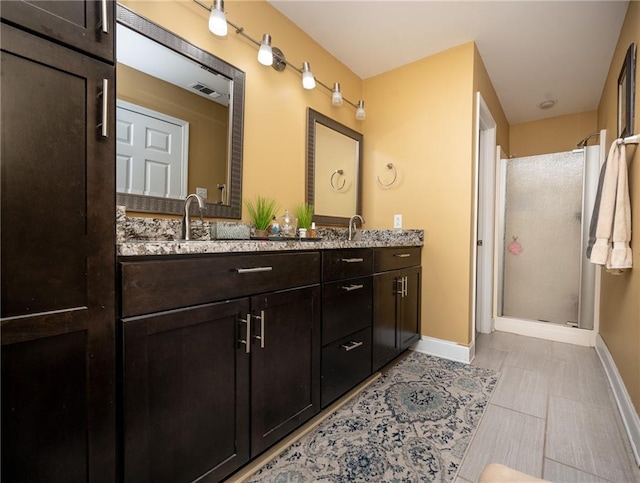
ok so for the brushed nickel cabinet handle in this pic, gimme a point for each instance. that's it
(351, 345)
(349, 288)
(254, 269)
(353, 260)
(105, 18)
(402, 255)
(260, 337)
(400, 290)
(247, 341)
(405, 286)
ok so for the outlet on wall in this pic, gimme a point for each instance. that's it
(202, 192)
(397, 222)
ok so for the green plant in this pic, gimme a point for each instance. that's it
(304, 213)
(262, 211)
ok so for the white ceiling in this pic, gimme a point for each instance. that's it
(533, 50)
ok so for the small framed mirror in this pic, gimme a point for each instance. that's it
(179, 118)
(334, 170)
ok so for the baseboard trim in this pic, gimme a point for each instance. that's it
(445, 349)
(628, 413)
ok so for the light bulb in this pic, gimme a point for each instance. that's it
(218, 20)
(265, 54)
(360, 113)
(336, 97)
(308, 81)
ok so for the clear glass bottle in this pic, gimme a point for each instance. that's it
(288, 225)
(312, 232)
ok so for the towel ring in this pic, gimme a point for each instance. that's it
(339, 172)
(395, 175)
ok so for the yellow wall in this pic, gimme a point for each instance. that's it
(620, 295)
(275, 103)
(420, 118)
(554, 135)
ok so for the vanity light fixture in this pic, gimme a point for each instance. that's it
(360, 112)
(265, 54)
(336, 96)
(308, 81)
(218, 25)
(218, 19)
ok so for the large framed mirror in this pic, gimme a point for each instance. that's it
(179, 117)
(334, 170)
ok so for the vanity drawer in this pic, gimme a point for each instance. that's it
(345, 363)
(346, 307)
(156, 285)
(386, 259)
(339, 264)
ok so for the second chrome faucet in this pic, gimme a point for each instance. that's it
(354, 234)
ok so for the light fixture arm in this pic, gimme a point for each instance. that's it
(279, 60)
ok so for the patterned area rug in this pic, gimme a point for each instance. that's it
(412, 424)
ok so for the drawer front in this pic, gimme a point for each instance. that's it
(346, 307)
(153, 286)
(386, 259)
(339, 264)
(345, 363)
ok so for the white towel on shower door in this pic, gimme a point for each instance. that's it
(613, 232)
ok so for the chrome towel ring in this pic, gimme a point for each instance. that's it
(395, 176)
(333, 182)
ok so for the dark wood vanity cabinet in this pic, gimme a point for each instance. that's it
(346, 320)
(84, 25)
(396, 294)
(58, 252)
(211, 380)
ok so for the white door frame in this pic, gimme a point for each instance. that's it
(483, 219)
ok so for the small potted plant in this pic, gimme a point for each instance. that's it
(261, 213)
(304, 213)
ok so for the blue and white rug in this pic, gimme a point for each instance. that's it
(412, 424)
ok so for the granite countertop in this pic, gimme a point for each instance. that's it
(182, 247)
(158, 236)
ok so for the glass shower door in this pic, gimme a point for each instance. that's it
(541, 261)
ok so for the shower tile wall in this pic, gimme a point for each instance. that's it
(542, 258)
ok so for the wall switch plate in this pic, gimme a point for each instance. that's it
(397, 222)
(202, 192)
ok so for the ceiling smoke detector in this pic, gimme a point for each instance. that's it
(547, 104)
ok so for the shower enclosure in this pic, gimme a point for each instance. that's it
(545, 211)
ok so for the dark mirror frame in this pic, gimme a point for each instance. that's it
(626, 93)
(152, 204)
(314, 117)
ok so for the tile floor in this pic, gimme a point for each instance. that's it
(552, 414)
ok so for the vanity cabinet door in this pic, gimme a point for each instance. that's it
(80, 24)
(409, 314)
(285, 363)
(57, 262)
(385, 309)
(186, 394)
(396, 308)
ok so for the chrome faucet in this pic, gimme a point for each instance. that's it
(186, 218)
(354, 235)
